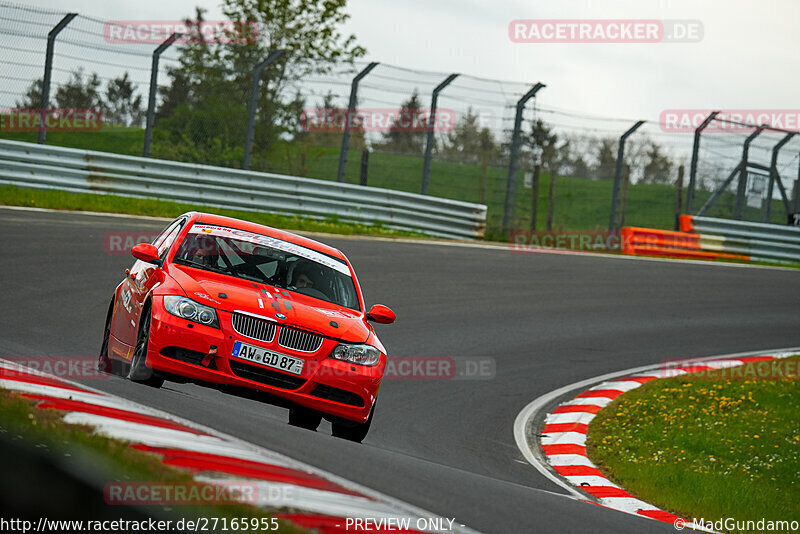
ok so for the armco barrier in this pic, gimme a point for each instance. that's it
(652, 242)
(709, 238)
(67, 169)
(759, 241)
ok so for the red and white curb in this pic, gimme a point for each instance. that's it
(314, 499)
(560, 453)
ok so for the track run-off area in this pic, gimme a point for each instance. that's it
(446, 445)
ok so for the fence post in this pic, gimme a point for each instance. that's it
(626, 182)
(511, 181)
(253, 104)
(550, 200)
(426, 166)
(773, 175)
(679, 199)
(612, 225)
(796, 195)
(351, 106)
(693, 165)
(797, 189)
(364, 165)
(48, 69)
(483, 176)
(151, 101)
(716, 194)
(742, 185)
(537, 161)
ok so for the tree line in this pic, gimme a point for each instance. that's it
(118, 103)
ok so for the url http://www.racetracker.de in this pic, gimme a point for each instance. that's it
(202, 524)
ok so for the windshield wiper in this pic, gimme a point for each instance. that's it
(198, 265)
(252, 277)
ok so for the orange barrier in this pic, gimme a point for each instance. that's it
(687, 223)
(666, 243)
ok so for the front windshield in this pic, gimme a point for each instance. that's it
(267, 260)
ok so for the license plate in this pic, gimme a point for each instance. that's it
(290, 364)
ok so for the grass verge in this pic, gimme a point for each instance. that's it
(62, 200)
(45, 430)
(710, 446)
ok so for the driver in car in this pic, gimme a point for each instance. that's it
(306, 275)
(205, 251)
(302, 280)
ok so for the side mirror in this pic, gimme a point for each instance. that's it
(381, 314)
(147, 253)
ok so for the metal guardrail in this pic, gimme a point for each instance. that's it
(67, 169)
(759, 241)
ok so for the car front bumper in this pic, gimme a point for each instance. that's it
(204, 353)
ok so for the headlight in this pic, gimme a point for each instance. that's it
(186, 308)
(360, 354)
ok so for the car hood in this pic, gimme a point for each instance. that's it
(264, 300)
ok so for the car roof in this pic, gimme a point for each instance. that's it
(221, 220)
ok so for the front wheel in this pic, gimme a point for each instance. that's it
(104, 362)
(139, 372)
(351, 430)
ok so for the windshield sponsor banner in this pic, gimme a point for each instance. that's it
(266, 241)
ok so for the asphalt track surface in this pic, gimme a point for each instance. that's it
(444, 445)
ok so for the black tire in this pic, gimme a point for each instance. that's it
(104, 362)
(304, 417)
(120, 368)
(351, 430)
(139, 372)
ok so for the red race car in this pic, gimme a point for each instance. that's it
(228, 302)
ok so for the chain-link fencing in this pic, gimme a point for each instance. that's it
(228, 97)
